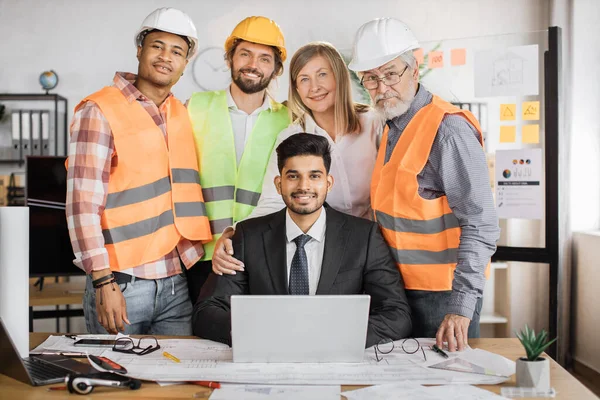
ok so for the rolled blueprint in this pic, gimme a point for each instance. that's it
(14, 275)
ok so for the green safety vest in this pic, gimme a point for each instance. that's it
(230, 191)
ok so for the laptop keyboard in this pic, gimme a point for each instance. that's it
(42, 372)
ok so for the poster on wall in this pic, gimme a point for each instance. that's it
(512, 71)
(519, 184)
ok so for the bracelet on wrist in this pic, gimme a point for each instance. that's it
(105, 283)
(105, 278)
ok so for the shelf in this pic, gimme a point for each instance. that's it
(55, 125)
(2, 161)
(31, 96)
(494, 318)
(499, 265)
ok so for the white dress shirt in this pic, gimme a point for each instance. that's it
(242, 123)
(353, 158)
(314, 248)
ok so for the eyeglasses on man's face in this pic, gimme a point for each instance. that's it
(141, 346)
(391, 78)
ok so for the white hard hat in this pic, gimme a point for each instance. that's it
(380, 41)
(173, 21)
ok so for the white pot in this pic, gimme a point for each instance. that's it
(534, 374)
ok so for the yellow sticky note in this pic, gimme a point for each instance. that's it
(508, 112)
(508, 133)
(530, 134)
(531, 110)
(458, 57)
(436, 59)
(418, 53)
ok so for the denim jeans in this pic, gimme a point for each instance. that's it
(428, 310)
(154, 307)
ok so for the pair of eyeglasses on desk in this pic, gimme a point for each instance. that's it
(145, 345)
(408, 346)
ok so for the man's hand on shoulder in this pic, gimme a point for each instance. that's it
(223, 261)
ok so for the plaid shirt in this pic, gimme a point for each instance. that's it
(92, 155)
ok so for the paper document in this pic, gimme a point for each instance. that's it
(479, 362)
(279, 392)
(66, 344)
(207, 360)
(519, 177)
(511, 71)
(409, 390)
(512, 392)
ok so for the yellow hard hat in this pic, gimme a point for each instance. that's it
(259, 30)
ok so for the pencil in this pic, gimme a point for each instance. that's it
(171, 356)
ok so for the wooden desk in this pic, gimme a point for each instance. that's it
(55, 294)
(567, 387)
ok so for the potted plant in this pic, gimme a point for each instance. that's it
(533, 370)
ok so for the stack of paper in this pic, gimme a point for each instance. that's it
(206, 360)
(408, 390)
(279, 392)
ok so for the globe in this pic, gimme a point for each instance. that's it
(48, 80)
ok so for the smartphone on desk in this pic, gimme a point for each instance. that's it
(95, 343)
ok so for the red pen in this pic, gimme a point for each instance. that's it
(208, 384)
(57, 388)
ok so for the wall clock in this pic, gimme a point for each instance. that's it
(210, 70)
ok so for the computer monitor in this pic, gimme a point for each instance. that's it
(50, 250)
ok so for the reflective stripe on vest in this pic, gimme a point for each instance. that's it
(154, 195)
(423, 235)
(231, 191)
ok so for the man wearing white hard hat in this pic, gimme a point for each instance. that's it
(235, 131)
(135, 209)
(430, 189)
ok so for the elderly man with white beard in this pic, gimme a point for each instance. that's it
(430, 190)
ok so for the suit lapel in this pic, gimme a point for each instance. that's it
(336, 237)
(275, 254)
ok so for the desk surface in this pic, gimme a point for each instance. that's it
(56, 294)
(567, 387)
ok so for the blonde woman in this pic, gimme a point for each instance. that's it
(320, 102)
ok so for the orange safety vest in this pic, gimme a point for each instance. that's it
(423, 235)
(154, 195)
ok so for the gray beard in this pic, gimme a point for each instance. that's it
(387, 113)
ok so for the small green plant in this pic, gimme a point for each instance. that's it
(534, 344)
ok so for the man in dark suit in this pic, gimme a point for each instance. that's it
(308, 248)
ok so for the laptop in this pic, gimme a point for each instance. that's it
(35, 370)
(299, 329)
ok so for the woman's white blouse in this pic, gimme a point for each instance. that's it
(352, 161)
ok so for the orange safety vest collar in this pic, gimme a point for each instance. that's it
(423, 234)
(154, 195)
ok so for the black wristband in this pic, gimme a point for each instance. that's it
(104, 284)
(98, 281)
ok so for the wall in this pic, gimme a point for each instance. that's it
(85, 42)
(584, 127)
(585, 121)
(586, 297)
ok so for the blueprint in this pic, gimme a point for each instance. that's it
(207, 360)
